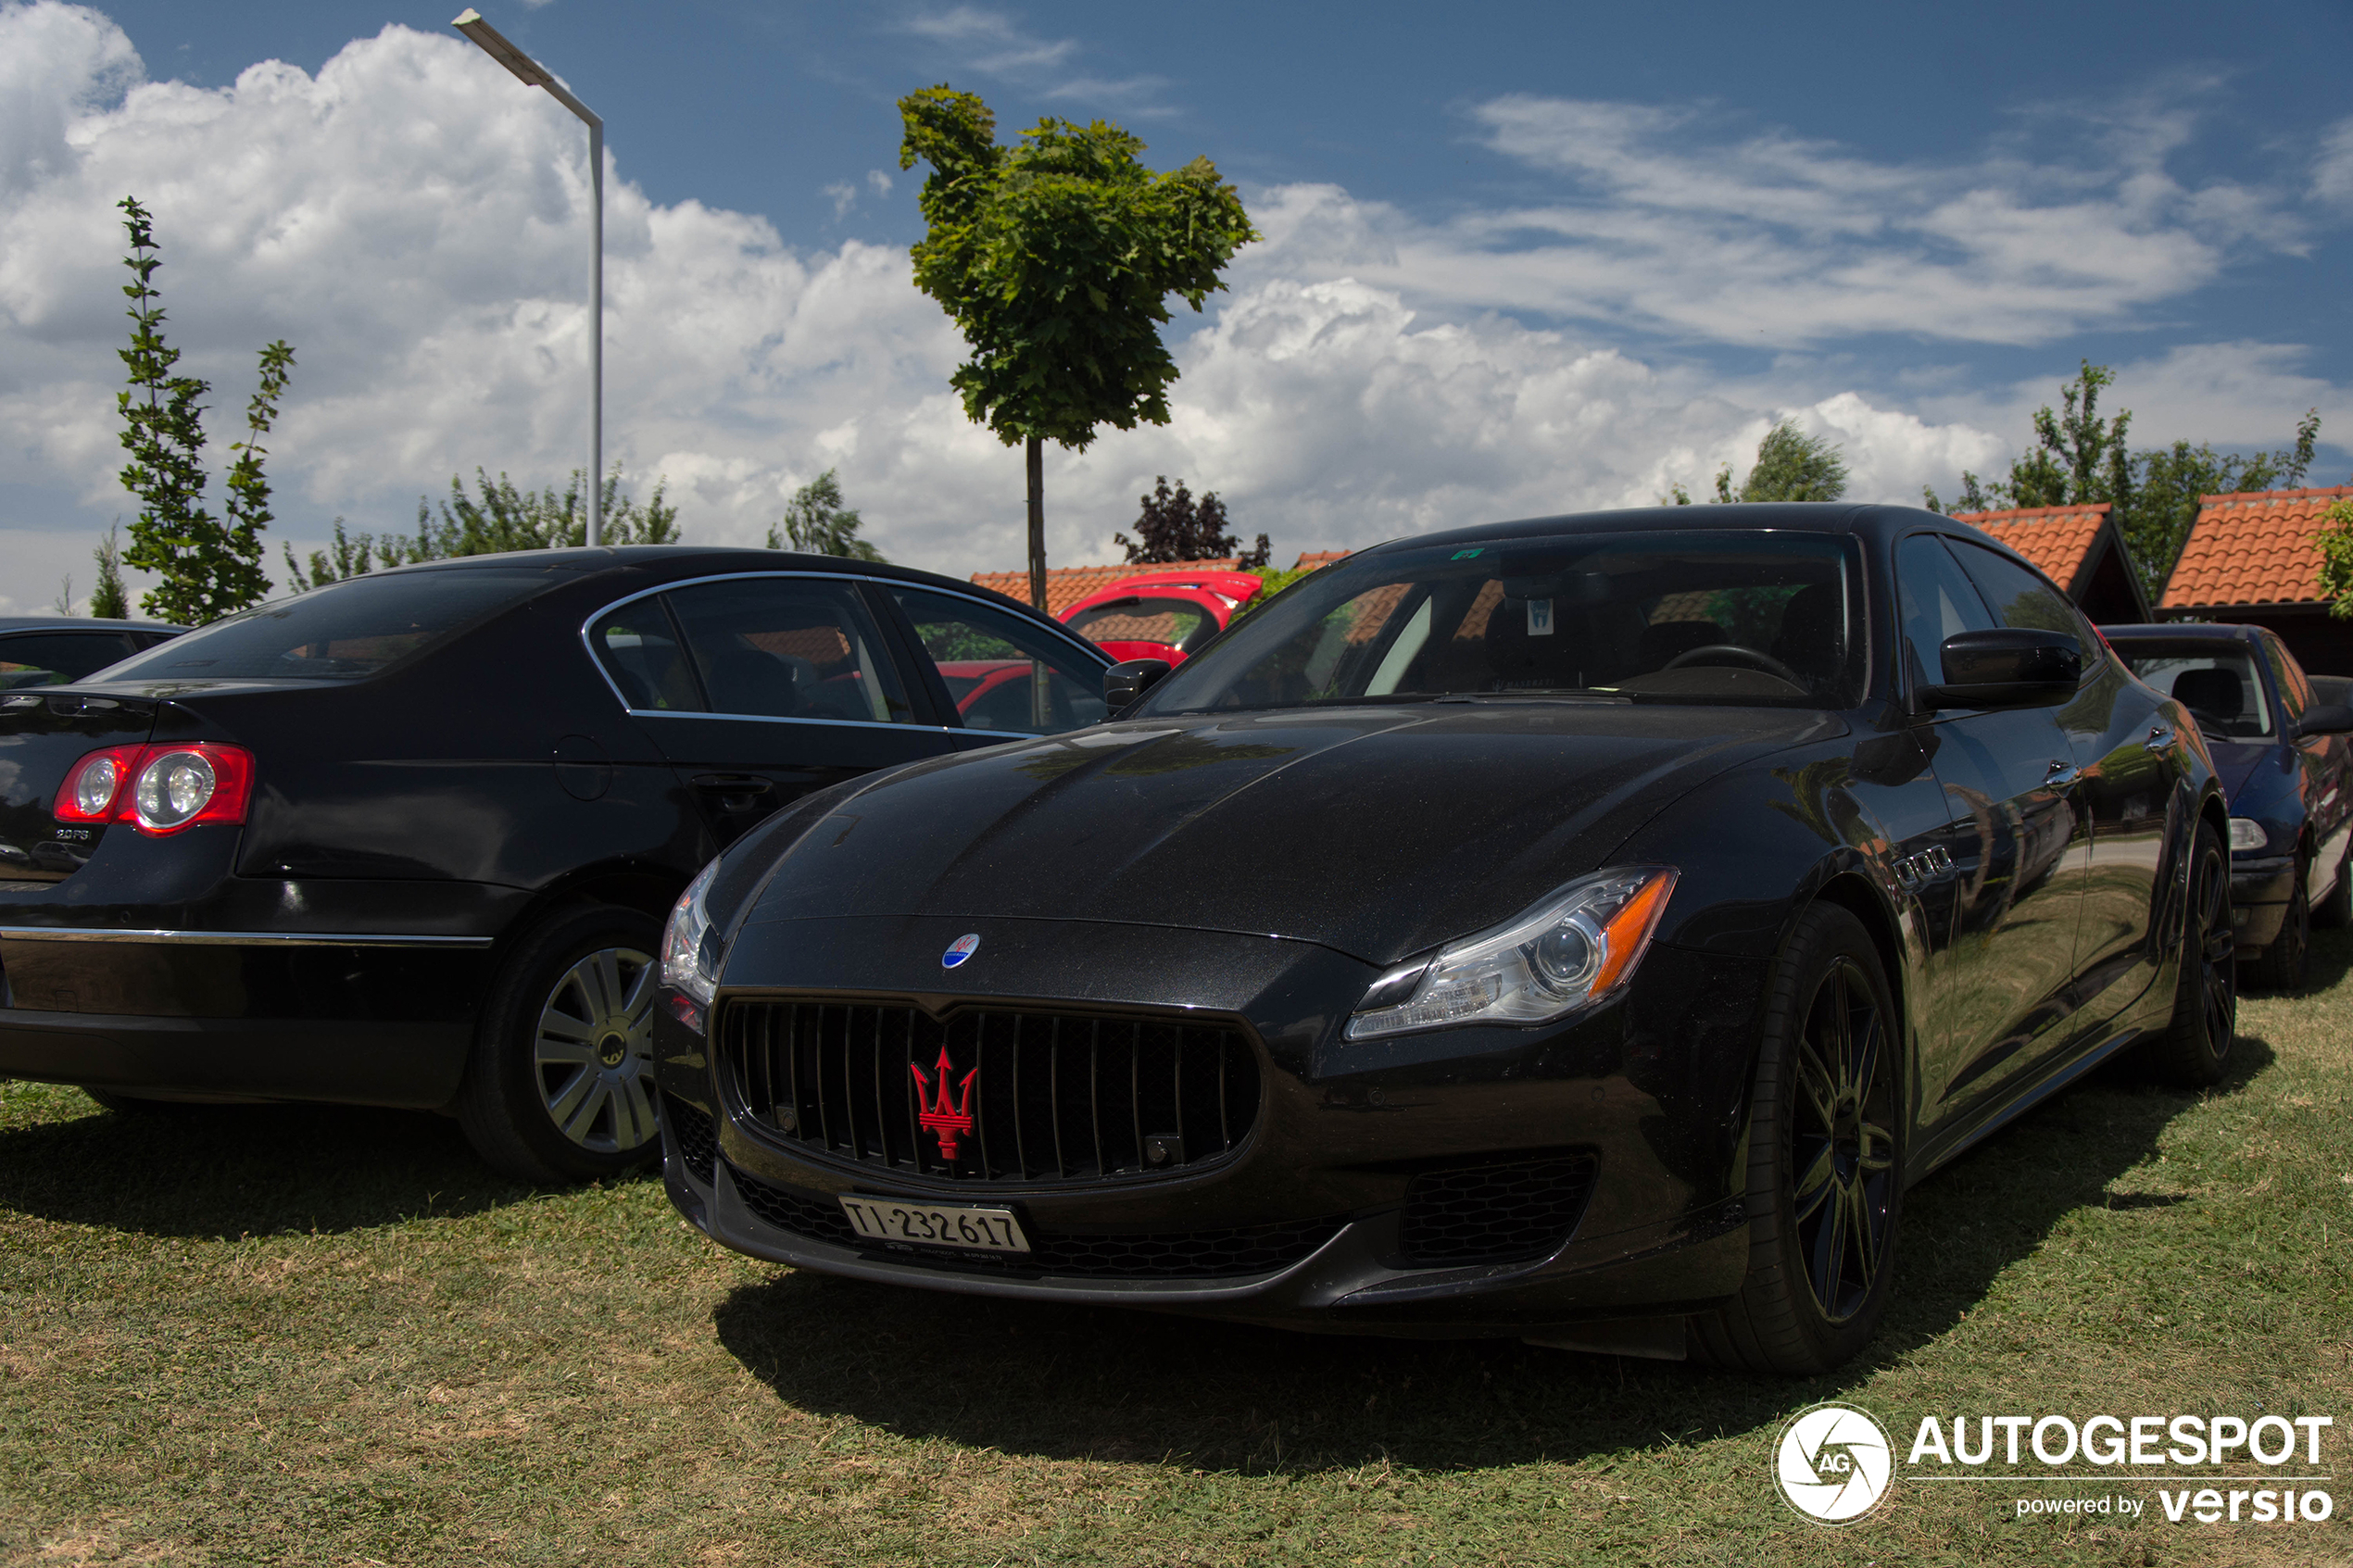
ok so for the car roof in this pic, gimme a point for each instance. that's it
(80, 623)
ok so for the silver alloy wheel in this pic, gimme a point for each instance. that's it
(593, 1054)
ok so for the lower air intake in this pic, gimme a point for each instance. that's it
(1495, 1213)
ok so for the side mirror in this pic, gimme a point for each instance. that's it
(1125, 682)
(2007, 667)
(2325, 718)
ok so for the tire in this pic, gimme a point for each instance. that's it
(2283, 965)
(2194, 1047)
(559, 1087)
(2335, 912)
(1825, 1160)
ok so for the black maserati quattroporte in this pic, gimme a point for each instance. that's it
(1580, 929)
(408, 839)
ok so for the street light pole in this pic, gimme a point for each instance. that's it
(531, 74)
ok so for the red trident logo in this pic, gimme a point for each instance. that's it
(945, 1122)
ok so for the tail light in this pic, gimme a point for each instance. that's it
(159, 789)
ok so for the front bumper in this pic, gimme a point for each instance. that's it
(1651, 1092)
(2261, 890)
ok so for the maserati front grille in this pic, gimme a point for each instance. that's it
(991, 1094)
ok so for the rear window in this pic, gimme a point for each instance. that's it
(343, 631)
(2214, 679)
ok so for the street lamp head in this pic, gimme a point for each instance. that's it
(494, 45)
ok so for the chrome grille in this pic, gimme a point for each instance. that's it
(1026, 1096)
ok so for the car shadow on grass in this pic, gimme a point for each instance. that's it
(228, 1170)
(1065, 1382)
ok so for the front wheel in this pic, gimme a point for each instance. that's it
(1824, 1160)
(561, 1084)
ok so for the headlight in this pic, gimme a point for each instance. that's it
(2247, 834)
(690, 952)
(1571, 952)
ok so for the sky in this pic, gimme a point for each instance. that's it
(1516, 259)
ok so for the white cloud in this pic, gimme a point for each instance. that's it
(414, 223)
(1772, 240)
(993, 43)
(2332, 166)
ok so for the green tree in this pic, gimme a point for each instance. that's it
(209, 568)
(817, 523)
(1056, 258)
(2335, 540)
(501, 515)
(1793, 466)
(1174, 525)
(2153, 493)
(108, 600)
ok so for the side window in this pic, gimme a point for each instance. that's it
(1936, 600)
(638, 646)
(1000, 673)
(2295, 693)
(788, 647)
(2018, 596)
(50, 659)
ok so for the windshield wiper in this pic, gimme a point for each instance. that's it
(1560, 694)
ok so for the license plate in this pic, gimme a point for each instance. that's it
(936, 1224)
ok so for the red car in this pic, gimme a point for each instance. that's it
(1161, 615)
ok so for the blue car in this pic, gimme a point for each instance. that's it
(2284, 756)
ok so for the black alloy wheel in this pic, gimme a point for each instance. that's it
(2192, 1051)
(1824, 1161)
(2283, 965)
(561, 1088)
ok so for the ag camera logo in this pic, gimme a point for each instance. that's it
(1833, 1462)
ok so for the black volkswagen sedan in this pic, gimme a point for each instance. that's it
(407, 839)
(2287, 759)
(1580, 929)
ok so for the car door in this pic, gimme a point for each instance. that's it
(1003, 676)
(2326, 761)
(2126, 790)
(761, 687)
(2010, 828)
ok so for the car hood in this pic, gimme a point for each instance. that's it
(1377, 831)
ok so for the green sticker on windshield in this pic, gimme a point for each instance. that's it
(1466, 554)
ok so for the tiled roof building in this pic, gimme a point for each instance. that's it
(2251, 557)
(2077, 547)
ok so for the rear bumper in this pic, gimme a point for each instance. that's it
(361, 1062)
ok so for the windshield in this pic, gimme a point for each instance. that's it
(339, 632)
(1667, 617)
(2215, 680)
(1182, 623)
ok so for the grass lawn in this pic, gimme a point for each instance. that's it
(305, 1336)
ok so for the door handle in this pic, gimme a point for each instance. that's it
(2160, 737)
(2064, 775)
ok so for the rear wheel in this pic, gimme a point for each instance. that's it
(561, 1084)
(1824, 1160)
(2193, 1049)
(2282, 965)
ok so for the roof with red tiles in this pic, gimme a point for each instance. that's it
(1065, 585)
(2253, 547)
(1310, 559)
(2060, 540)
